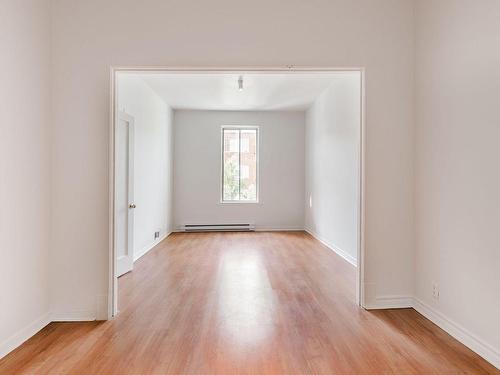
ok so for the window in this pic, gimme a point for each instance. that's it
(239, 164)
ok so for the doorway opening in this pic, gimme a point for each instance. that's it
(278, 148)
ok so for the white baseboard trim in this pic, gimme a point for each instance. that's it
(260, 229)
(33, 328)
(470, 340)
(23, 334)
(349, 258)
(274, 229)
(101, 311)
(474, 343)
(145, 249)
(73, 316)
(390, 302)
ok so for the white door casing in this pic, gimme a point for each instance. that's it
(287, 69)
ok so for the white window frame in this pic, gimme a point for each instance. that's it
(257, 151)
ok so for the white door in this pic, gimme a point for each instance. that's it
(124, 193)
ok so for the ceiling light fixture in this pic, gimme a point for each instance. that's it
(240, 83)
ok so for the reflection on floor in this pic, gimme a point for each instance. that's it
(244, 303)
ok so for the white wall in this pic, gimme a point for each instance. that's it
(456, 148)
(152, 160)
(24, 170)
(89, 36)
(457, 166)
(197, 169)
(332, 166)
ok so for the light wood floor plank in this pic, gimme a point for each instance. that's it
(244, 303)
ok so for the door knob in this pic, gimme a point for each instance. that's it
(131, 205)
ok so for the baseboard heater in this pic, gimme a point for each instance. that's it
(218, 227)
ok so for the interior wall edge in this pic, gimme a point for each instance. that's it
(384, 302)
(24, 334)
(150, 246)
(73, 316)
(25, 164)
(343, 254)
(460, 333)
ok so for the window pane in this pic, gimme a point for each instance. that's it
(231, 183)
(248, 160)
(245, 145)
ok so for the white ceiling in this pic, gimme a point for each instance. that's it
(219, 91)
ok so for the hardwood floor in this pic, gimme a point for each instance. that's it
(244, 303)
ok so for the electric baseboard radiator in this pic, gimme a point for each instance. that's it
(218, 227)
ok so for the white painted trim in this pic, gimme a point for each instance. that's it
(289, 69)
(474, 343)
(112, 279)
(146, 248)
(278, 229)
(461, 334)
(390, 302)
(23, 334)
(360, 270)
(349, 258)
(34, 327)
(73, 316)
(257, 229)
(101, 311)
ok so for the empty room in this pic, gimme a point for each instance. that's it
(232, 187)
(236, 152)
